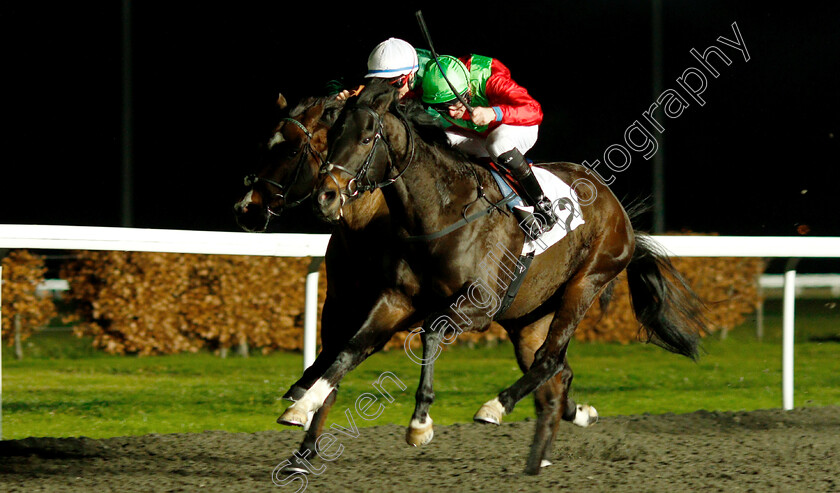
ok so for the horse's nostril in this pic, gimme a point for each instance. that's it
(327, 197)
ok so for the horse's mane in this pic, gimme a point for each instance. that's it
(425, 125)
(332, 107)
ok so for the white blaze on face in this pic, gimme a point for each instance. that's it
(246, 201)
(275, 139)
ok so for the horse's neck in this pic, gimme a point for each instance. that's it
(367, 214)
(433, 192)
(364, 238)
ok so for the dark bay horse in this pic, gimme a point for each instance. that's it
(287, 177)
(427, 187)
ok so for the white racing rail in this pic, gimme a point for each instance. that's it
(315, 246)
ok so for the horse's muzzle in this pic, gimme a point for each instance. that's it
(328, 203)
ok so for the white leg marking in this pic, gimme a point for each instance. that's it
(308, 423)
(419, 433)
(491, 412)
(314, 398)
(585, 416)
(545, 463)
(417, 425)
(300, 413)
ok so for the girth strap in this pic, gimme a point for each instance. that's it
(520, 270)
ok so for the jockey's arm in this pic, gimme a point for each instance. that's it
(511, 100)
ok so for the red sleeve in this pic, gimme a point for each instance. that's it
(516, 105)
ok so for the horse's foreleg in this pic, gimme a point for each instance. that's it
(421, 431)
(307, 447)
(391, 313)
(332, 340)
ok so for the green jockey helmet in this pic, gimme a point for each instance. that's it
(435, 88)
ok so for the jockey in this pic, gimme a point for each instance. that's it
(504, 122)
(505, 119)
(400, 64)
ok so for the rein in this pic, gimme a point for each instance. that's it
(353, 188)
(461, 222)
(464, 218)
(252, 179)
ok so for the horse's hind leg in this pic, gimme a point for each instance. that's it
(550, 404)
(550, 359)
(551, 400)
(553, 405)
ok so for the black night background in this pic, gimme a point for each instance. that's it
(758, 158)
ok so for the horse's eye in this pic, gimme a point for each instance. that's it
(293, 152)
(366, 140)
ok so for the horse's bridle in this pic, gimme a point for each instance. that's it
(252, 179)
(328, 166)
(353, 187)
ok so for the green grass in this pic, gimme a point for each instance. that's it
(64, 388)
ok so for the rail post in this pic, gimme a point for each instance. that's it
(787, 333)
(310, 320)
(1, 352)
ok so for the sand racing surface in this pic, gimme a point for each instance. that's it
(768, 450)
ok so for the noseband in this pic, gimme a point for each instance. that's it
(353, 187)
(282, 188)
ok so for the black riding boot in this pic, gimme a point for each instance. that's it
(532, 192)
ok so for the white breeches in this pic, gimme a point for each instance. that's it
(502, 139)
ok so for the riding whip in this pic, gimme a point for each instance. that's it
(425, 30)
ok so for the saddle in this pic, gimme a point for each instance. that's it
(505, 181)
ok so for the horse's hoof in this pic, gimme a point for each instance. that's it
(295, 417)
(491, 412)
(585, 416)
(294, 468)
(309, 417)
(545, 463)
(418, 434)
(294, 393)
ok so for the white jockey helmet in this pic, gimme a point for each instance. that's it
(392, 58)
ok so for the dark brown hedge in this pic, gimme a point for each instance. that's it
(156, 303)
(22, 272)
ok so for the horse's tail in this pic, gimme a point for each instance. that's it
(634, 210)
(671, 313)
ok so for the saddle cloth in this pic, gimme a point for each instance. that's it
(565, 203)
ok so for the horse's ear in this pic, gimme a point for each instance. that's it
(331, 110)
(312, 115)
(384, 99)
(281, 101)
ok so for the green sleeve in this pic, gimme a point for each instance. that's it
(423, 58)
(439, 120)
